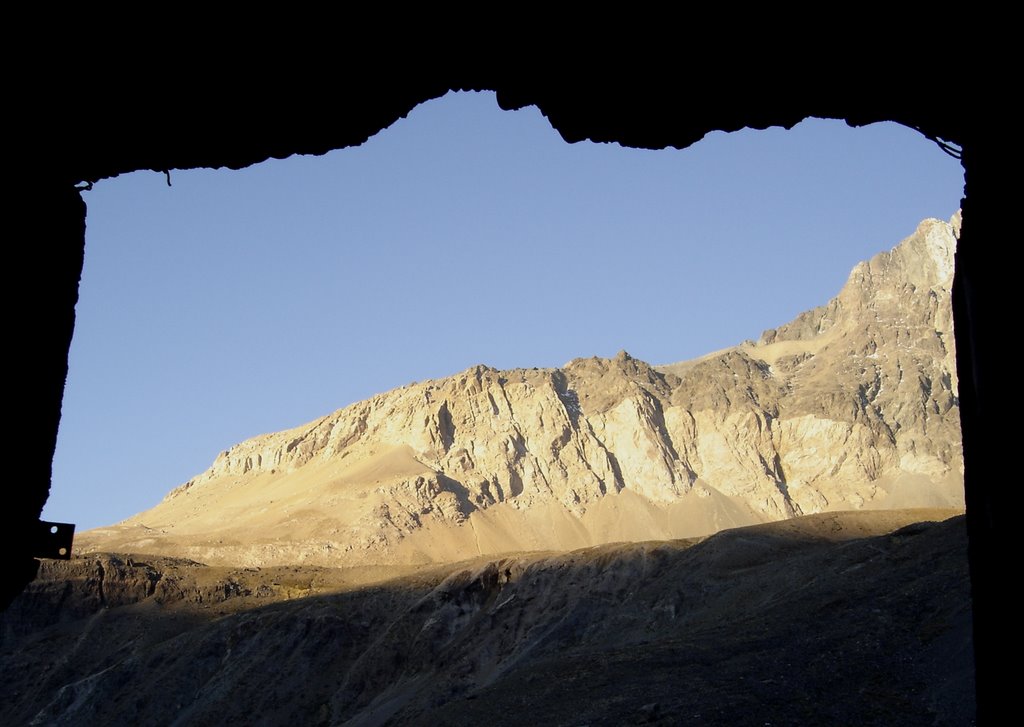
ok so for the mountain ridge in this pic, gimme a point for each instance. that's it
(850, 405)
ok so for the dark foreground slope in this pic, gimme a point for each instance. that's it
(817, 620)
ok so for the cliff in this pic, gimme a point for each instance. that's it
(851, 405)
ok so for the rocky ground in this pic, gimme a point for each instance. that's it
(843, 618)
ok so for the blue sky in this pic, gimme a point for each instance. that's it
(235, 303)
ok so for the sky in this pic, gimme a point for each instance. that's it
(235, 303)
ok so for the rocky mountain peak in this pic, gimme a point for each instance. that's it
(851, 405)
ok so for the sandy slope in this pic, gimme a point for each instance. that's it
(309, 518)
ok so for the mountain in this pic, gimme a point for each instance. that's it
(371, 567)
(852, 405)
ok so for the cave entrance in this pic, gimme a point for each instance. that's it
(196, 330)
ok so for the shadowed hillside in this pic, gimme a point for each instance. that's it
(816, 620)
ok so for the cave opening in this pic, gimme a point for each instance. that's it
(160, 142)
(193, 315)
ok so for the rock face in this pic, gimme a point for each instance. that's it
(851, 405)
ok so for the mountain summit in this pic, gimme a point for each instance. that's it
(851, 405)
